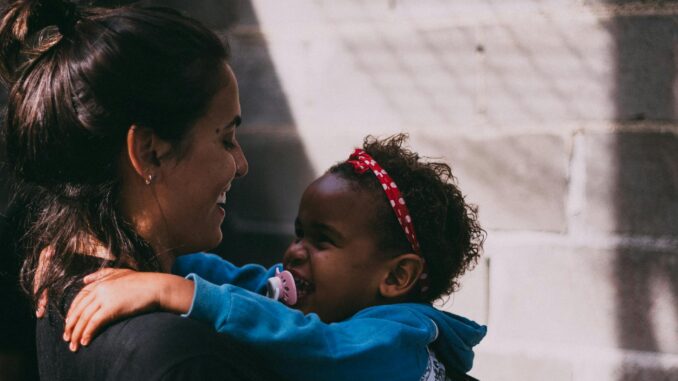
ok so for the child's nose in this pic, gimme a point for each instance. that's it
(295, 255)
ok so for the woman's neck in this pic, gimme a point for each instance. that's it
(165, 260)
(90, 246)
(141, 208)
(94, 248)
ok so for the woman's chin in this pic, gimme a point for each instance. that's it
(207, 242)
(215, 240)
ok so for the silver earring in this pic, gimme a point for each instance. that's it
(149, 179)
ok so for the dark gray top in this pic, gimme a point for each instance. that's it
(154, 346)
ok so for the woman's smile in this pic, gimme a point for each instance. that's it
(193, 201)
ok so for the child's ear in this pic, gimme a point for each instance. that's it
(145, 149)
(403, 275)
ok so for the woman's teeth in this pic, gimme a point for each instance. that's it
(222, 198)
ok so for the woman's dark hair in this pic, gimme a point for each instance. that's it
(78, 78)
(447, 227)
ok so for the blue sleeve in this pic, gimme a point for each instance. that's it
(217, 270)
(301, 347)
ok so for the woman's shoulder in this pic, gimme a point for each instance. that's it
(167, 346)
(154, 346)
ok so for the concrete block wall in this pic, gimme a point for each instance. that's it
(559, 119)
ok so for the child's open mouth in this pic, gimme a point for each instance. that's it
(304, 287)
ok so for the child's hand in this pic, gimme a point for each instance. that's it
(113, 294)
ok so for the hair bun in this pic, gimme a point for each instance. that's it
(21, 21)
(66, 14)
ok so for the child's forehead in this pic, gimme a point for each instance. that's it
(325, 192)
(338, 196)
(331, 183)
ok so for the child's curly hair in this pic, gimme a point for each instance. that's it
(447, 227)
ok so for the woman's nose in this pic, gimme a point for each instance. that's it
(296, 255)
(241, 165)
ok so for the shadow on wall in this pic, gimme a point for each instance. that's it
(261, 207)
(646, 187)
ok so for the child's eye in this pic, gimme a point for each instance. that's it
(324, 241)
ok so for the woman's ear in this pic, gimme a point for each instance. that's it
(144, 150)
(403, 275)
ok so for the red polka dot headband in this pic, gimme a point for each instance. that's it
(362, 162)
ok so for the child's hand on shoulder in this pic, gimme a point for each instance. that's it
(113, 294)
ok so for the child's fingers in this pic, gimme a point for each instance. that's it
(77, 301)
(98, 275)
(98, 320)
(84, 299)
(80, 325)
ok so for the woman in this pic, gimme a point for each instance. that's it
(121, 127)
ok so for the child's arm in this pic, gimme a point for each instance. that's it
(210, 267)
(122, 293)
(217, 270)
(113, 294)
(301, 347)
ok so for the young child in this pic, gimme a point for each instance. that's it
(379, 237)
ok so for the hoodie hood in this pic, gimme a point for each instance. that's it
(456, 337)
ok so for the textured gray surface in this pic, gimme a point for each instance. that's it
(558, 117)
(633, 183)
(519, 182)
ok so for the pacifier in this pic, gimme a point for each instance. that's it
(281, 287)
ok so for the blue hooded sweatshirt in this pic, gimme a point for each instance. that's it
(389, 342)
